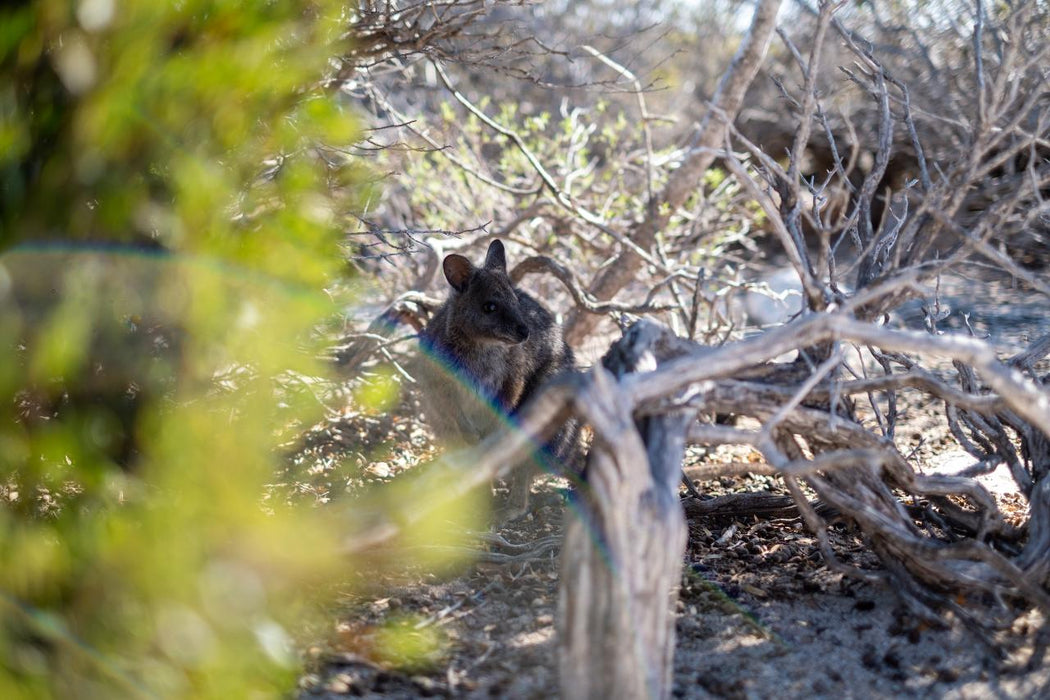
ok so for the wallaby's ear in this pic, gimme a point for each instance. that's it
(496, 258)
(457, 271)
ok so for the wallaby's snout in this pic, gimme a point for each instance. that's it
(505, 325)
(513, 332)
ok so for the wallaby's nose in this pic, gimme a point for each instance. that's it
(522, 332)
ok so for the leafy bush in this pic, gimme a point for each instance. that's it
(169, 218)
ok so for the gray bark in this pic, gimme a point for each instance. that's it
(622, 557)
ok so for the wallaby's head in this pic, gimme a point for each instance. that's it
(484, 306)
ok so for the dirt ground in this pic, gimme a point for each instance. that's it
(760, 615)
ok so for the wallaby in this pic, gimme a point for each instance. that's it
(488, 349)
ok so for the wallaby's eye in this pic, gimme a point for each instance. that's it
(489, 307)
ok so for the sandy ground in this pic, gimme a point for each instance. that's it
(759, 616)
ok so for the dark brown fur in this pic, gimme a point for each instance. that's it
(490, 348)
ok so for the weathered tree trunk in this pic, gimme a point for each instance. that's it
(622, 557)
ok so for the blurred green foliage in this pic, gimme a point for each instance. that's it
(169, 220)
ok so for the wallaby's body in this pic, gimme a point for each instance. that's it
(490, 347)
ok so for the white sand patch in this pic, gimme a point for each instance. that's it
(954, 462)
